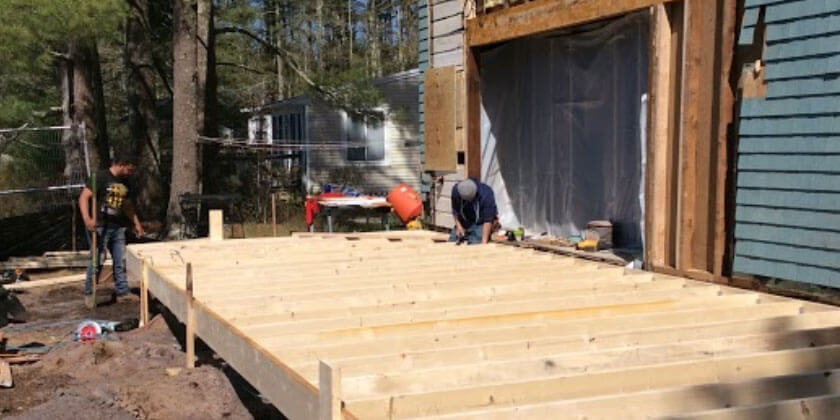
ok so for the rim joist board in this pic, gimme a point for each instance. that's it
(402, 325)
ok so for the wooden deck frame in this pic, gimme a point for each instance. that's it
(643, 337)
(690, 104)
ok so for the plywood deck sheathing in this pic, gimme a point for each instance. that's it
(400, 325)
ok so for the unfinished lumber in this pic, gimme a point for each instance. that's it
(609, 382)
(190, 323)
(329, 392)
(55, 281)
(217, 227)
(674, 402)
(509, 330)
(6, 380)
(144, 293)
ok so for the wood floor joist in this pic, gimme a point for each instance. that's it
(400, 325)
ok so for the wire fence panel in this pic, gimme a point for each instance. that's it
(41, 168)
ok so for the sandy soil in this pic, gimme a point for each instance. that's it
(137, 375)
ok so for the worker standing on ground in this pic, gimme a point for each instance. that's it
(114, 193)
(474, 209)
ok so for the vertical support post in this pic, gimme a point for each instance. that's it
(190, 335)
(273, 214)
(329, 392)
(473, 143)
(144, 293)
(217, 226)
(73, 226)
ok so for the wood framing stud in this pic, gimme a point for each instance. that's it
(144, 293)
(190, 335)
(217, 227)
(329, 392)
(545, 15)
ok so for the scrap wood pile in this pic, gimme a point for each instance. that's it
(402, 326)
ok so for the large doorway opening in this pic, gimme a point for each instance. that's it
(563, 128)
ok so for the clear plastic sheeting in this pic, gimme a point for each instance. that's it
(562, 128)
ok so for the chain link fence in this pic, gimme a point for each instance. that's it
(42, 171)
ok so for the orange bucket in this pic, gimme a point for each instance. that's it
(406, 203)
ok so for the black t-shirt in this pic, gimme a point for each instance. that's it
(111, 193)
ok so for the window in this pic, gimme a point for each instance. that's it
(365, 137)
(288, 127)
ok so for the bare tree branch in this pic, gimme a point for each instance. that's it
(330, 94)
(241, 66)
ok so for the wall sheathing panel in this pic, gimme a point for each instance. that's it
(788, 184)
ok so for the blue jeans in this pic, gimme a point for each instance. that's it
(472, 235)
(111, 238)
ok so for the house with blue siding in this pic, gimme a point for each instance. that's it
(787, 220)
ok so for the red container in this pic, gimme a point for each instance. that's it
(406, 203)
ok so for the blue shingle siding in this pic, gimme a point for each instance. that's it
(787, 218)
(423, 64)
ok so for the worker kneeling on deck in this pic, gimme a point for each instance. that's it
(474, 208)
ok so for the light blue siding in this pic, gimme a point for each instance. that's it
(787, 219)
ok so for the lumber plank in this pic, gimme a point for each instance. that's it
(329, 392)
(551, 363)
(433, 281)
(55, 281)
(296, 397)
(594, 332)
(494, 321)
(672, 402)
(742, 367)
(822, 407)
(480, 313)
(274, 313)
(6, 380)
(552, 342)
(545, 15)
(440, 118)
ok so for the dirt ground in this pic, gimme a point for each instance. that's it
(136, 374)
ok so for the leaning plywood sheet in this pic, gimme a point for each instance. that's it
(392, 328)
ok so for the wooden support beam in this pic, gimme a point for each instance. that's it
(329, 392)
(482, 313)
(599, 332)
(701, 339)
(822, 407)
(545, 15)
(742, 367)
(217, 225)
(554, 362)
(676, 402)
(451, 323)
(472, 78)
(275, 313)
(190, 334)
(144, 293)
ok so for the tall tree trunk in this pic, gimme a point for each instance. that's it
(187, 106)
(319, 35)
(280, 33)
(373, 36)
(89, 102)
(210, 124)
(142, 112)
(71, 141)
(350, 37)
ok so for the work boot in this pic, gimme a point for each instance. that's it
(90, 303)
(126, 297)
